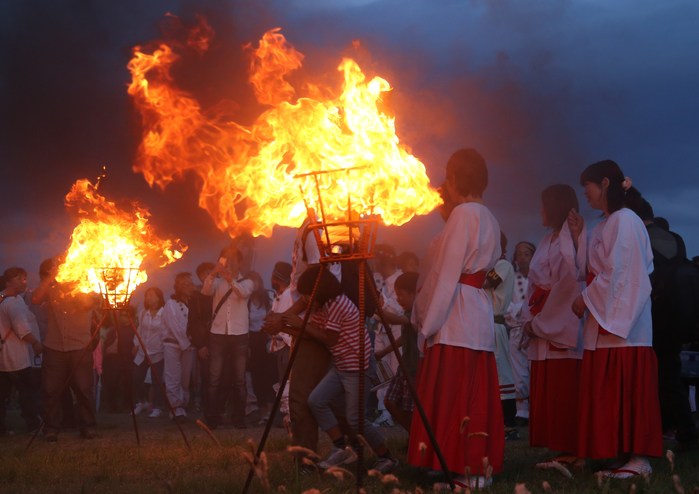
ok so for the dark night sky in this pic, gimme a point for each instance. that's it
(541, 89)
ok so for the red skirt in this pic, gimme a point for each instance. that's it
(619, 405)
(553, 404)
(453, 383)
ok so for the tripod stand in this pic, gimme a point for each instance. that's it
(362, 252)
(115, 297)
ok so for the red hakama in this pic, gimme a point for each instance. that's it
(453, 383)
(553, 404)
(619, 406)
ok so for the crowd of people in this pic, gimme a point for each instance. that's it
(567, 338)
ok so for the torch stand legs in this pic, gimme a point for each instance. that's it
(155, 378)
(363, 274)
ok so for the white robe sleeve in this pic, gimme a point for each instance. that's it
(621, 288)
(441, 284)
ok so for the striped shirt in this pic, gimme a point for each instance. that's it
(341, 315)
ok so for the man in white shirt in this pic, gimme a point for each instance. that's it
(15, 348)
(228, 341)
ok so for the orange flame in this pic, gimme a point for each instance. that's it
(247, 173)
(109, 246)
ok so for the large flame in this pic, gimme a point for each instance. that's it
(110, 247)
(247, 173)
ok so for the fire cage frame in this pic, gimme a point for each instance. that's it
(358, 241)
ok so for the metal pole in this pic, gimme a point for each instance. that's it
(361, 400)
(155, 377)
(411, 385)
(282, 385)
(115, 319)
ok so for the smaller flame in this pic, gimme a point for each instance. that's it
(109, 247)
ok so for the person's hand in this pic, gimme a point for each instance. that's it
(273, 323)
(575, 223)
(292, 320)
(203, 353)
(37, 347)
(579, 306)
(527, 328)
(226, 274)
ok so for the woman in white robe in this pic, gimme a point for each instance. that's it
(555, 345)
(619, 406)
(457, 382)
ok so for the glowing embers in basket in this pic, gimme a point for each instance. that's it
(111, 248)
(351, 235)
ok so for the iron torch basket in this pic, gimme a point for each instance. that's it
(338, 239)
(116, 285)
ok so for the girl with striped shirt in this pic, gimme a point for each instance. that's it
(335, 323)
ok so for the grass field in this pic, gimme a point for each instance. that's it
(114, 463)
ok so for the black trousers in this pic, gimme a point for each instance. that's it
(57, 367)
(674, 395)
(24, 382)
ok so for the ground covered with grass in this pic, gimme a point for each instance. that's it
(114, 463)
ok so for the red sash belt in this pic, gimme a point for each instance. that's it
(590, 276)
(475, 280)
(538, 300)
(588, 280)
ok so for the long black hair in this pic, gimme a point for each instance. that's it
(617, 197)
(328, 288)
(558, 200)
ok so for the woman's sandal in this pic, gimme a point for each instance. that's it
(563, 464)
(633, 468)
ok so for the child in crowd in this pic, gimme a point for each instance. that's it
(398, 401)
(335, 323)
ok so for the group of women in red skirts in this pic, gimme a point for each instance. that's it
(594, 392)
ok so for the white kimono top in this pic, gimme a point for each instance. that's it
(452, 313)
(557, 330)
(618, 299)
(174, 320)
(15, 324)
(152, 332)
